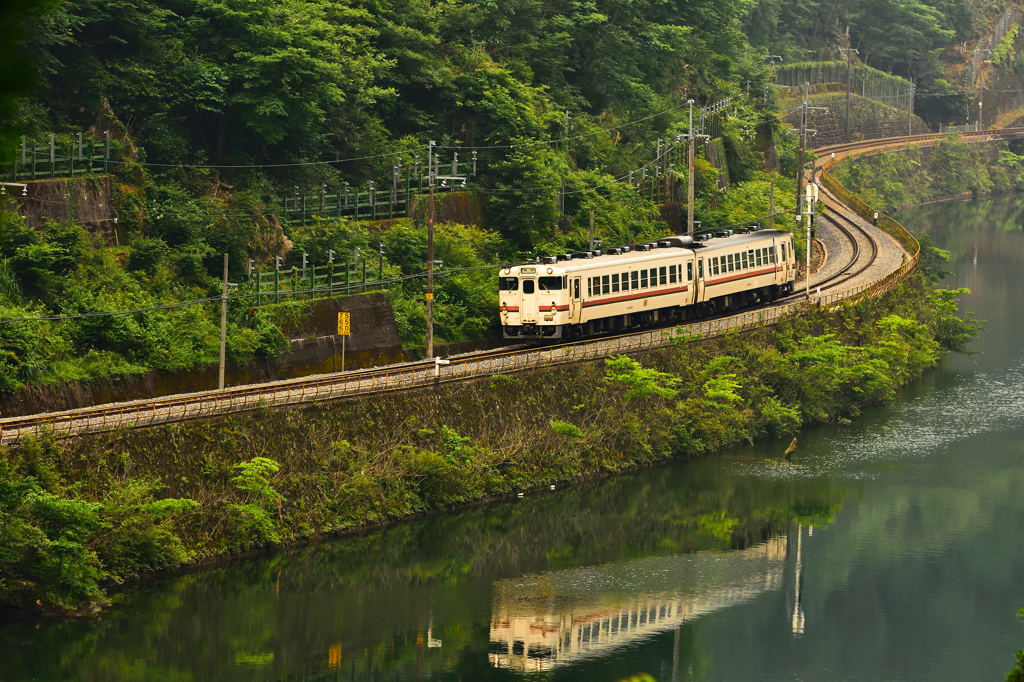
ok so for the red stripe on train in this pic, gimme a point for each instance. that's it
(743, 275)
(629, 297)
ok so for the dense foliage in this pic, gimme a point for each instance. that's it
(219, 106)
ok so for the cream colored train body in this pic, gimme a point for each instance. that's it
(671, 280)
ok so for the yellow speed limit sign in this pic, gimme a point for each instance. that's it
(344, 324)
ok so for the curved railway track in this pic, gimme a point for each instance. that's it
(837, 286)
(858, 238)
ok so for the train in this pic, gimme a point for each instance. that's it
(670, 280)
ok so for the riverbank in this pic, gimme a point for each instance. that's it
(81, 516)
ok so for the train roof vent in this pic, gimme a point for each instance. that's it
(549, 260)
(581, 254)
(615, 251)
(642, 247)
(565, 256)
(596, 252)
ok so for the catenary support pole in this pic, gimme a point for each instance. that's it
(223, 325)
(430, 249)
(690, 173)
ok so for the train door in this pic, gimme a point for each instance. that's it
(575, 300)
(528, 309)
(698, 283)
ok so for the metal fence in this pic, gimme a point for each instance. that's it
(865, 81)
(58, 157)
(373, 200)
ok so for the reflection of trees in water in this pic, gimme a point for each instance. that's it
(363, 602)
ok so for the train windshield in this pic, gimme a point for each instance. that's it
(508, 283)
(551, 283)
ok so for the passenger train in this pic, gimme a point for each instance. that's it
(671, 280)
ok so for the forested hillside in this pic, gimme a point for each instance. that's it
(215, 107)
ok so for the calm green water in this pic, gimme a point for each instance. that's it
(891, 550)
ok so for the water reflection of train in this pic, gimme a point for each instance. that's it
(543, 621)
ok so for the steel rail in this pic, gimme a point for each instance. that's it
(320, 388)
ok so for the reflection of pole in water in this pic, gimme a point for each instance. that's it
(675, 653)
(796, 621)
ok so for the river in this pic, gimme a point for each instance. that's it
(890, 549)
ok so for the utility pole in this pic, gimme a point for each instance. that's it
(430, 249)
(910, 111)
(811, 197)
(772, 60)
(590, 246)
(805, 108)
(223, 325)
(849, 73)
(689, 173)
(981, 99)
(800, 149)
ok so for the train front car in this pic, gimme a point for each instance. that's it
(534, 301)
(586, 293)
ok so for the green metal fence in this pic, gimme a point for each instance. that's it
(58, 157)
(378, 201)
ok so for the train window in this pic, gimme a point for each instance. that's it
(643, 279)
(634, 280)
(663, 275)
(700, 269)
(654, 277)
(576, 288)
(758, 255)
(750, 258)
(508, 283)
(771, 254)
(551, 283)
(689, 271)
(606, 287)
(728, 263)
(625, 281)
(615, 283)
(527, 286)
(784, 259)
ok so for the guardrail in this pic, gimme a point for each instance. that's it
(403, 377)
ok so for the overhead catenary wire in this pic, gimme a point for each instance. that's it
(403, 152)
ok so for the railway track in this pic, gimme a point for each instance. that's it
(837, 286)
(859, 239)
